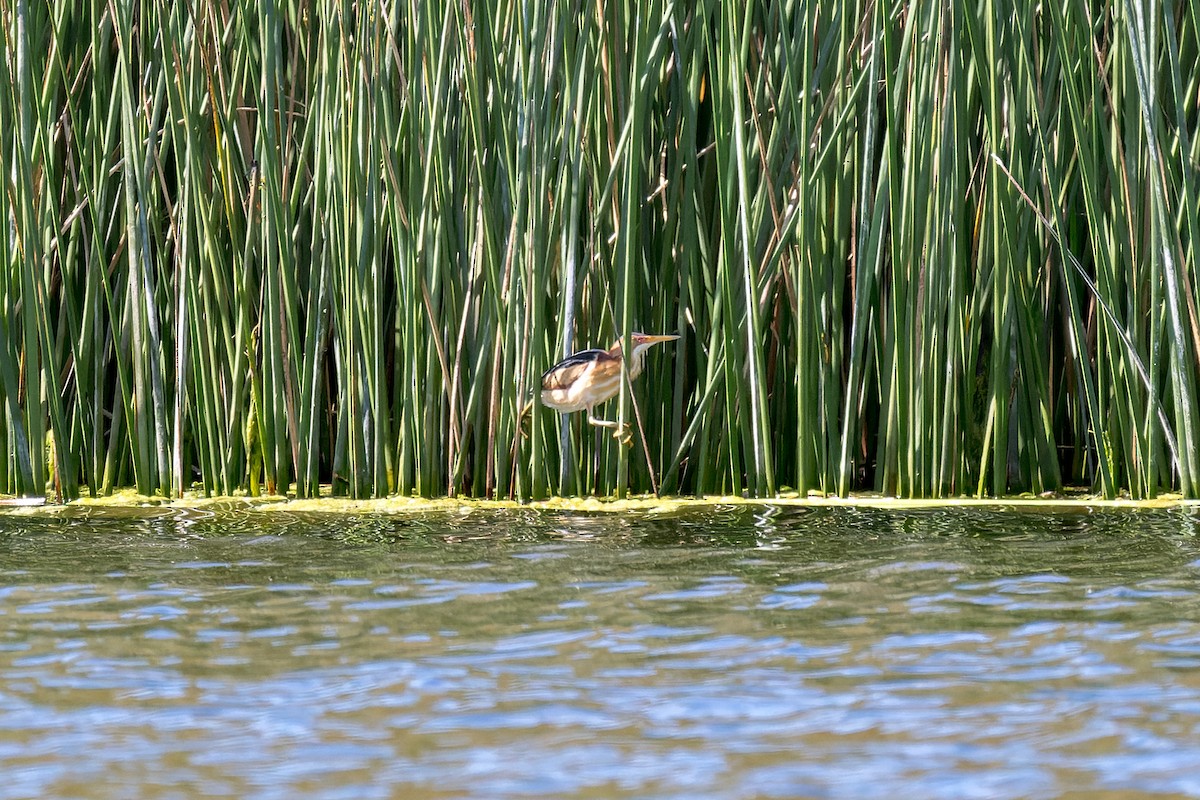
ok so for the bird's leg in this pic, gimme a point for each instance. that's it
(620, 432)
(601, 423)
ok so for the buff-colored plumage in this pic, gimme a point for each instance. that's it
(588, 378)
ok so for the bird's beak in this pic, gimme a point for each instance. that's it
(660, 337)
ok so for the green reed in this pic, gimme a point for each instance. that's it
(927, 249)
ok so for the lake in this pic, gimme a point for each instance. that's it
(723, 652)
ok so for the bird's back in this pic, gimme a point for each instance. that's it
(581, 380)
(567, 371)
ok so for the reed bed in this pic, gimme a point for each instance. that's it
(924, 248)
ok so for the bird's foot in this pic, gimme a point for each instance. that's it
(624, 435)
(525, 421)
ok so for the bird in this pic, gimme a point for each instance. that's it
(586, 379)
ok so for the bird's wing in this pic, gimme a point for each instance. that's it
(567, 371)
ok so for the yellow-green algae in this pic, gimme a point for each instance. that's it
(638, 504)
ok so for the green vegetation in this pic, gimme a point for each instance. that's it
(924, 248)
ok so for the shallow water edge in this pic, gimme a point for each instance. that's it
(637, 504)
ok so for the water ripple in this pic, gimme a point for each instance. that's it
(747, 652)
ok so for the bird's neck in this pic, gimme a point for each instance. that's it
(636, 362)
(637, 358)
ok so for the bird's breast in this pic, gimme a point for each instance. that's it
(589, 387)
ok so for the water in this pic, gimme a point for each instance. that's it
(734, 653)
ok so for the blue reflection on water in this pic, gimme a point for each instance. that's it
(740, 653)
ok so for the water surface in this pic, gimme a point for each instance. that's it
(732, 653)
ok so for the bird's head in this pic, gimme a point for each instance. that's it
(641, 341)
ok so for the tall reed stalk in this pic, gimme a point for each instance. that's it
(923, 248)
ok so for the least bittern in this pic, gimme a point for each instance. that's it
(588, 378)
